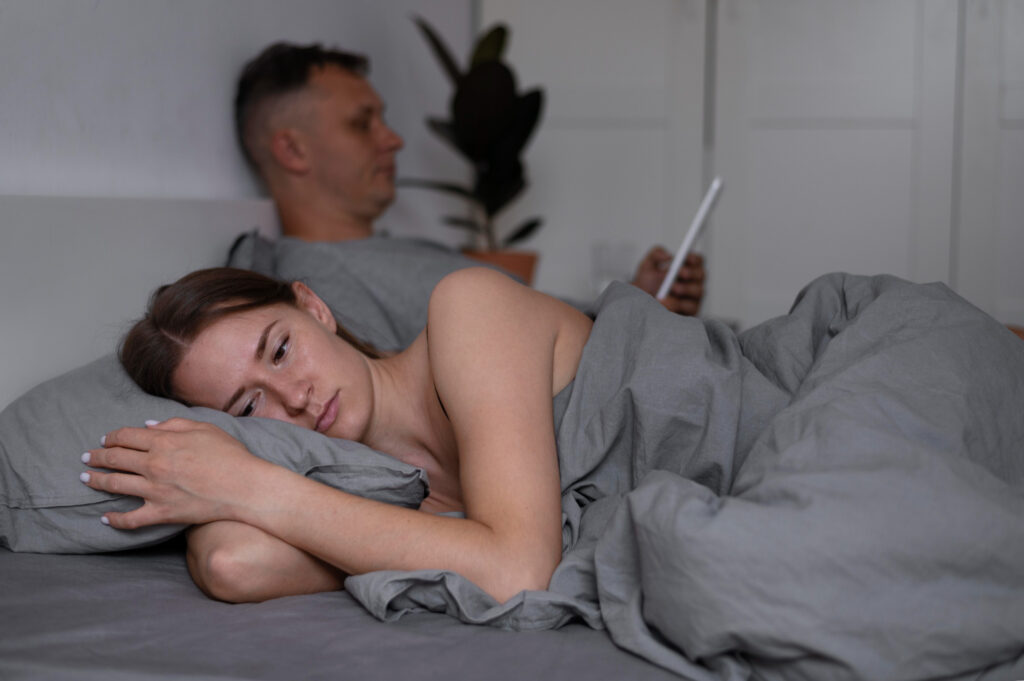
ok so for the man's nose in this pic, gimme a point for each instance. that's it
(390, 140)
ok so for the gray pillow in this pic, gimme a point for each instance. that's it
(45, 508)
(378, 288)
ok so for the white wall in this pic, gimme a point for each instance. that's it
(133, 97)
(870, 136)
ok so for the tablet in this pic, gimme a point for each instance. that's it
(691, 236)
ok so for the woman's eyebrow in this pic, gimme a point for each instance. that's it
(261, 347)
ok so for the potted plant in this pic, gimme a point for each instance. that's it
(489, 125)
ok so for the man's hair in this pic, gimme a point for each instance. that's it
(280, 69)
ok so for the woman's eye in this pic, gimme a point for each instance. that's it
(281, 351)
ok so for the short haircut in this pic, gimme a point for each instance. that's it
(280, 69)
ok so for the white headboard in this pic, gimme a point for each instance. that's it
(74, 272)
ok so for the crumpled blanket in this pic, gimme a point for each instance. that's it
(834, 494)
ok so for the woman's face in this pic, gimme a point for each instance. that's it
(281, 362)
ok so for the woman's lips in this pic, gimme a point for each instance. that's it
(328, 416)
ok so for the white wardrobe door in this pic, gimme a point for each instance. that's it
(989, 267)
(834, 132)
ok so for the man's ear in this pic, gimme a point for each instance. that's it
(288, 147)
(314, 304)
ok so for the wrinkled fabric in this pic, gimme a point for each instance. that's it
(834, 494)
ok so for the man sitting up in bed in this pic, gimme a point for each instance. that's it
(311, 127)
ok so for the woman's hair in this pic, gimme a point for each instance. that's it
(154, 347)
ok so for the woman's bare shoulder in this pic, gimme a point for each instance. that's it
(474, 284)
(478, 311)
(483, 291)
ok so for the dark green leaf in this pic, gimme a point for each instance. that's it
(448, 187)
(463, 223)
(524, 230)
(441, 51)
(491, 45)
(446, 131)
(481, 108)
(497, 185)
(524, 119)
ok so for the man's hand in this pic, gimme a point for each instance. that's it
(688, 289)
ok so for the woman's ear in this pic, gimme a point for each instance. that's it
(288, 148)
(314, 304)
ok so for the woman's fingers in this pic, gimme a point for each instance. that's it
(117, 459)
(177, 425)
(130, 438)
(179, 467)
(132, 520)
(143, 438)
(152, 512)
(116, 483)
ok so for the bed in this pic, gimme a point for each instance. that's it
(835, 494)
(75, 271)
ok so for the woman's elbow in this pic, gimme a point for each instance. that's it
(237, 563)
(228, 573)
(515, 577)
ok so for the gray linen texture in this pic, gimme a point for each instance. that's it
(834, 494)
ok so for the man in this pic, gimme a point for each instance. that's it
(312, 129)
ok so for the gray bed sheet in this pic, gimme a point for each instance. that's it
(137, 616)
(835, 494)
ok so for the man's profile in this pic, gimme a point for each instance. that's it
(312, 128)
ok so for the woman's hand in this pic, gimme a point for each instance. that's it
(185, 471)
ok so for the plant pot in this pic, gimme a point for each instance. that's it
(518, 263)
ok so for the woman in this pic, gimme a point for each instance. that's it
(469, 401)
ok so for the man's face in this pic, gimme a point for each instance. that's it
(351, 148)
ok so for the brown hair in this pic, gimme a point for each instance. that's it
(154, 347)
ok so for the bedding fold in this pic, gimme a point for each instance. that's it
(834, 494)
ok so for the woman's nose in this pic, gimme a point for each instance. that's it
(295, 397)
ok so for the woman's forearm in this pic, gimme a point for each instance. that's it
(358, 535)
(194, 473)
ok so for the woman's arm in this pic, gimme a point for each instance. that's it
(496, 348)
(238, 563)
(498, 352)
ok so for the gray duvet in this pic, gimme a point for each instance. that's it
(835, 494)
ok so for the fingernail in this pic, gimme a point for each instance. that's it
(103, 441)
(103, 519)
(151, 422)
(84, 477)
(86, 457)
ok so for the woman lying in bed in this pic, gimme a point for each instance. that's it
(469, 402)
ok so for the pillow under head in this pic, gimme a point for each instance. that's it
(45, 508)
